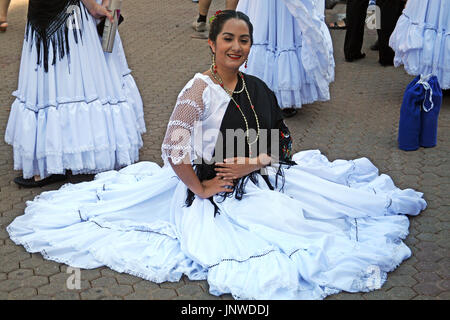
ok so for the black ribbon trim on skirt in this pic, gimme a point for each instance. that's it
(48, 22)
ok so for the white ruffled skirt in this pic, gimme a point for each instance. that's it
(335, 226)
(292, 50)
(85, 114)
(421, 39)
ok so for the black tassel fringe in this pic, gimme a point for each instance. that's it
(55, 35)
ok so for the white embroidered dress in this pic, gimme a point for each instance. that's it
(292, 50)
(336, 226)
(85, 114)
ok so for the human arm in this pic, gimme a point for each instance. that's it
(238, 167)
(204, 189)
(98, 10)
(177, 147)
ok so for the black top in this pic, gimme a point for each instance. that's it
(269, 117)
(267, 110)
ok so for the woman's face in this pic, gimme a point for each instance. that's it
(232, 45)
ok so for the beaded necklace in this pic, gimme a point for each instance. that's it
(216, 76)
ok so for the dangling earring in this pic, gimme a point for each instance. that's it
(214, 62)
(246, 60)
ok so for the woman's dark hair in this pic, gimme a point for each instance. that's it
(220, 19)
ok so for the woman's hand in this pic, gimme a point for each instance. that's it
(98, 11)
(214, 186)
(235, 168)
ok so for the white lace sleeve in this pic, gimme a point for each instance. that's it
(178, 141)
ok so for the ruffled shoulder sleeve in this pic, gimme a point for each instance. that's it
(189, 110)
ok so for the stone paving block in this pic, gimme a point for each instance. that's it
(8, 266)
(172, 285)
(40, 297)
(104, 282)
(10, 285)
(6, 249)
(20, 274)
(444, 296)
(95, 294)
(128, 279)
(226, 297)
(398, 281)
(22, 293)
(428, 255)
(46, 269)
(32, 262)
(141, 295)
(163, 294)
(145, 286)
(427, 289)
(120, 290)
(421, 297)
(189, 290)
(36, 281)
(444, 285)
(427, 277)
(401, 293)
(18, 255)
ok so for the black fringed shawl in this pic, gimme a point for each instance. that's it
(49, 21)
(269, 116)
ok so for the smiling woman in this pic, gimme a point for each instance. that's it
(259, 224)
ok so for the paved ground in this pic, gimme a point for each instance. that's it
(360, 120)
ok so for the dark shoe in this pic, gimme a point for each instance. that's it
(375, 46)
(289, 112)
(31, 183)
(362, 55)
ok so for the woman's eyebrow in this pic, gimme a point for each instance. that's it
(232, 34)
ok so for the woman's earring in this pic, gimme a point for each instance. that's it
(214, 62)
(246, 63)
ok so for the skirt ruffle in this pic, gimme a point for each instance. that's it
(421, 40)
(340, 230)
(85, 114)
(292, 50)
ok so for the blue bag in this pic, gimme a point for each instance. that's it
(419, 113)
(430, 113)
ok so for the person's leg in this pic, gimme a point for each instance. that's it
(199, 24)
(356, 16)
(231, 4)
(4, 5)
(203, 7)
(390, 12)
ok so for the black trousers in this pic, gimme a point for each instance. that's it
(356, 11)
(391, 10)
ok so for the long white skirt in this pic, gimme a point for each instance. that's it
(292, 50)
(85, 114)
(335, 226)
(421, 39)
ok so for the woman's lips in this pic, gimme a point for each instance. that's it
(234, 56)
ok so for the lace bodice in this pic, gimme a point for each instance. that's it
(195, 121)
